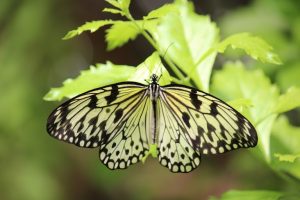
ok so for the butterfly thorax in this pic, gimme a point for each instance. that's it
(154, 87)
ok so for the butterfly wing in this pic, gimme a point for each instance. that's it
(128, 143)
(108, 118)
(174, 148)
(206, 125)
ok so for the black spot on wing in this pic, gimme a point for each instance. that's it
(223, 132)
(200, 130)
(102, 125)
(186, 119)
(93, 121)
(194, 99)
(63, 113)
(104, 135)
(81, 127)
(213, 108)
(118, 115)
(182, 156)
(210, 128)
(113, 95)
(93, 102)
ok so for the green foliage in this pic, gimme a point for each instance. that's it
(161, 11)
(286, 147)
(93, 77)
(288, 101)
(186, 37)
(121, 5)
(89, 79)
(262, 113)
(250, 195)
(128, 30)
(287, 157)
(225, 84)
(257, 48)
(152, 65)
(88, 26)
(241, 104)
(188, 43)
(289, 75)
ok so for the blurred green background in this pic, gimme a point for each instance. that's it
(33, 58)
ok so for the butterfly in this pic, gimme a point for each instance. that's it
(128, 121)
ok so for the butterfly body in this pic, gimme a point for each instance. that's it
(154, 91)
(129, 120)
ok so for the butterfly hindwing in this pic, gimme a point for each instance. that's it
(129, 141)
(174, 148)
(211, 125)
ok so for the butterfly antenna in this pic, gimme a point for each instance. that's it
(163, 58)
(167, 50)
(147, 81)
(159, 76)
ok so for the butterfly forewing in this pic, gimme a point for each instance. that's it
(210, 125)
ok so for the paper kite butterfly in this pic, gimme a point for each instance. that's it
(128, 121)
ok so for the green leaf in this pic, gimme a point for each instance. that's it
(152, 65)
(240, 104)
(288, 101)
(286, 145)
(256, 47)
(234, 82)
(287, 157)
(129, 30)
(161, 11)
(120, 33)
(123, 5)
(289, 75)
(251, 194)
(90, 79)
(88, 26)
(186, 37)
(113, 11)
(114, 3)
(152, 151)
(287, 134)
(264, 133)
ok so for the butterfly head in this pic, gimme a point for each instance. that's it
(154, 78)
